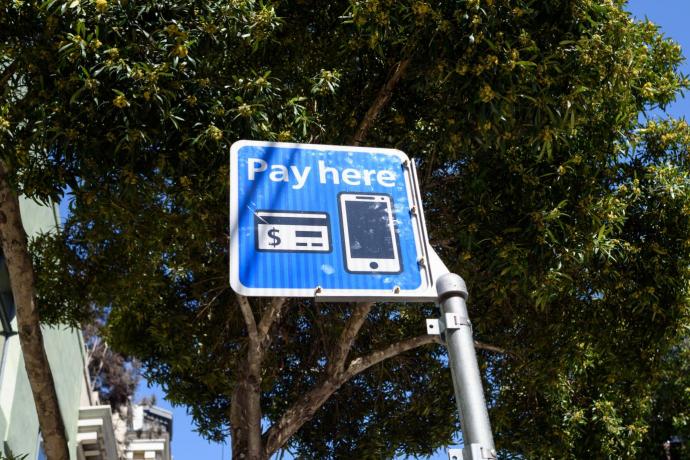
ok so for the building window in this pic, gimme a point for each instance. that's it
(6, 316)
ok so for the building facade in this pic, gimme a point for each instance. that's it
(91, 428)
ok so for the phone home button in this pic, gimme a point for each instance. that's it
(374, 265)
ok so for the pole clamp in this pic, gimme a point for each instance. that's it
(479, 452)
(455, 321)
(450, 321)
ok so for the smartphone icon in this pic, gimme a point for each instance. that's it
(370, 241)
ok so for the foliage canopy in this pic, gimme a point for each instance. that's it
(551, 186)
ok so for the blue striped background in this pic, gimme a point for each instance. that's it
(308, 270)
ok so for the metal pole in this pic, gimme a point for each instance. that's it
(467, 382)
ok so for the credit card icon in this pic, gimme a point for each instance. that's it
(292, 231)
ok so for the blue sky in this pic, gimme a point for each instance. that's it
(670, 14)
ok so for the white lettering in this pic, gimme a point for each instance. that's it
(262, 165)
(279, 173)
(324, 170)
(327, 174)
(367, 176)
(301, 178)
(386, 178)
(351, 176)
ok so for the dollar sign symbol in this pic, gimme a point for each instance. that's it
(272, 234)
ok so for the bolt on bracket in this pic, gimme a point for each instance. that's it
(433, 327)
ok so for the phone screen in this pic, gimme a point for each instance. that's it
(369, 230)
(369, 238)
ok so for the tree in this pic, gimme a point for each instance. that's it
(22, 277)
(23, 45)
(670, 405)
(549, 185)
(113, 376)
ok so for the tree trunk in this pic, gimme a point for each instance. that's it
(245, 408)
(20, 268)
(246, 430)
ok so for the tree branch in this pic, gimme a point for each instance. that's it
(304, 409)
(249, 321)
(272, 314)
(380, 102)
(7, 73)
(336, 360)
(488, 347)
(363, 363)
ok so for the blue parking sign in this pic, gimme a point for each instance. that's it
(323, 221)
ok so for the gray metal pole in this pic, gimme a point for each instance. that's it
(469, 395)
